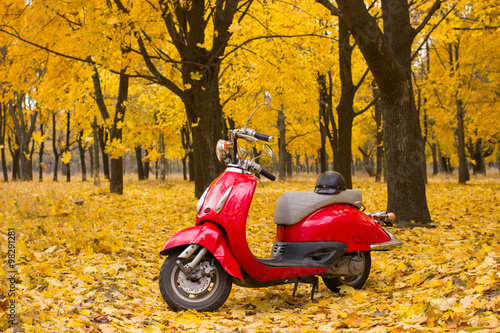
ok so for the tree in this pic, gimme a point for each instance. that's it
(199, 65)
(461, 88)
(3, 127)
(389, 57)
(24, 124)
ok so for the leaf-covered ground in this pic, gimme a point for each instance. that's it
(94, 267)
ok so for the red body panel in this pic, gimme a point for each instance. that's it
(212, 237)
(337, 222)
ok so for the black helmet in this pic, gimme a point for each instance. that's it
(330, 182)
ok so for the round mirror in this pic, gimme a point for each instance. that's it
(268, 150)
(267, 99)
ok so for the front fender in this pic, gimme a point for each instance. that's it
(214, 238)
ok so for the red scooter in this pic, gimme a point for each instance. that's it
(319, 233)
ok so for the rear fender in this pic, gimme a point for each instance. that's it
(211, 236)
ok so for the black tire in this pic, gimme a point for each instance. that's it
(207, 293)
(357, 282)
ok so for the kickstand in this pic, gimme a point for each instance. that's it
(315, 287)
(295, 288)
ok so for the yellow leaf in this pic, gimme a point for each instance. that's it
(154, 155)
(195, 76)
(234, 27)
(38, 137)
(130, 124)
(346, 289)
(113, 20)
(66, 157)
(143, 282)
(85, 278)
(358, 296)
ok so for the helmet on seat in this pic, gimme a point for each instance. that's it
(330, 182)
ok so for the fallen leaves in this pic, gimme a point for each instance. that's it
(94, 268)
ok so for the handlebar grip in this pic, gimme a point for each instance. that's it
(263, 137)
(268, 175)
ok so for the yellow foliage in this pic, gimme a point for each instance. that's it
(66, 157)
(38, 137)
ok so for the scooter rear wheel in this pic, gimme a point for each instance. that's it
(206, 289)
(357, 281)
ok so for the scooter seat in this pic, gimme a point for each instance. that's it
(293, 206)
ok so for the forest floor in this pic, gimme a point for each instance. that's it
(94, 267)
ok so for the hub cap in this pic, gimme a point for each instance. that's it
(199, 288)
(194, 287)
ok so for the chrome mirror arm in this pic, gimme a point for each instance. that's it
(251, 115)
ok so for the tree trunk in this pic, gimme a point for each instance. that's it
(435, 163)
(163, 160)
(103, 138)
(282, 145)
(477, 156)
(81, 150)
(68, 146)
(379, 136)
(204, 113)
(325, 121)
(463, 170)
(289, 165)
(41, 166)
(95, 145)
(23, 133)
(389, 59)
(345, 110)
(140, 166)
(3, 126)
(186, 144)
(16, 156)
(55, 150)
(116, 170)
(184, 167)
(116, 180)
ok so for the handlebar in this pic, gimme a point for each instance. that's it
(252, 135)
(251, 165)
(263, 137)
(268, 175)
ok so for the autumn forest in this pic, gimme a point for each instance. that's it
(110, 114)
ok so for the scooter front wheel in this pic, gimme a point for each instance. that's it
(205, 288)
(361, 263)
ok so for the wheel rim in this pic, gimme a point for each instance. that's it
(195, 290)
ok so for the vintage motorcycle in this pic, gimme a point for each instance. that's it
(321, 233)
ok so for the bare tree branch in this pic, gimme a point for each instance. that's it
(271, 36)
(430, 32)
(46, 48)
(426, 20)
(154, 71)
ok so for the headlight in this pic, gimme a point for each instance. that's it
(223, 148)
